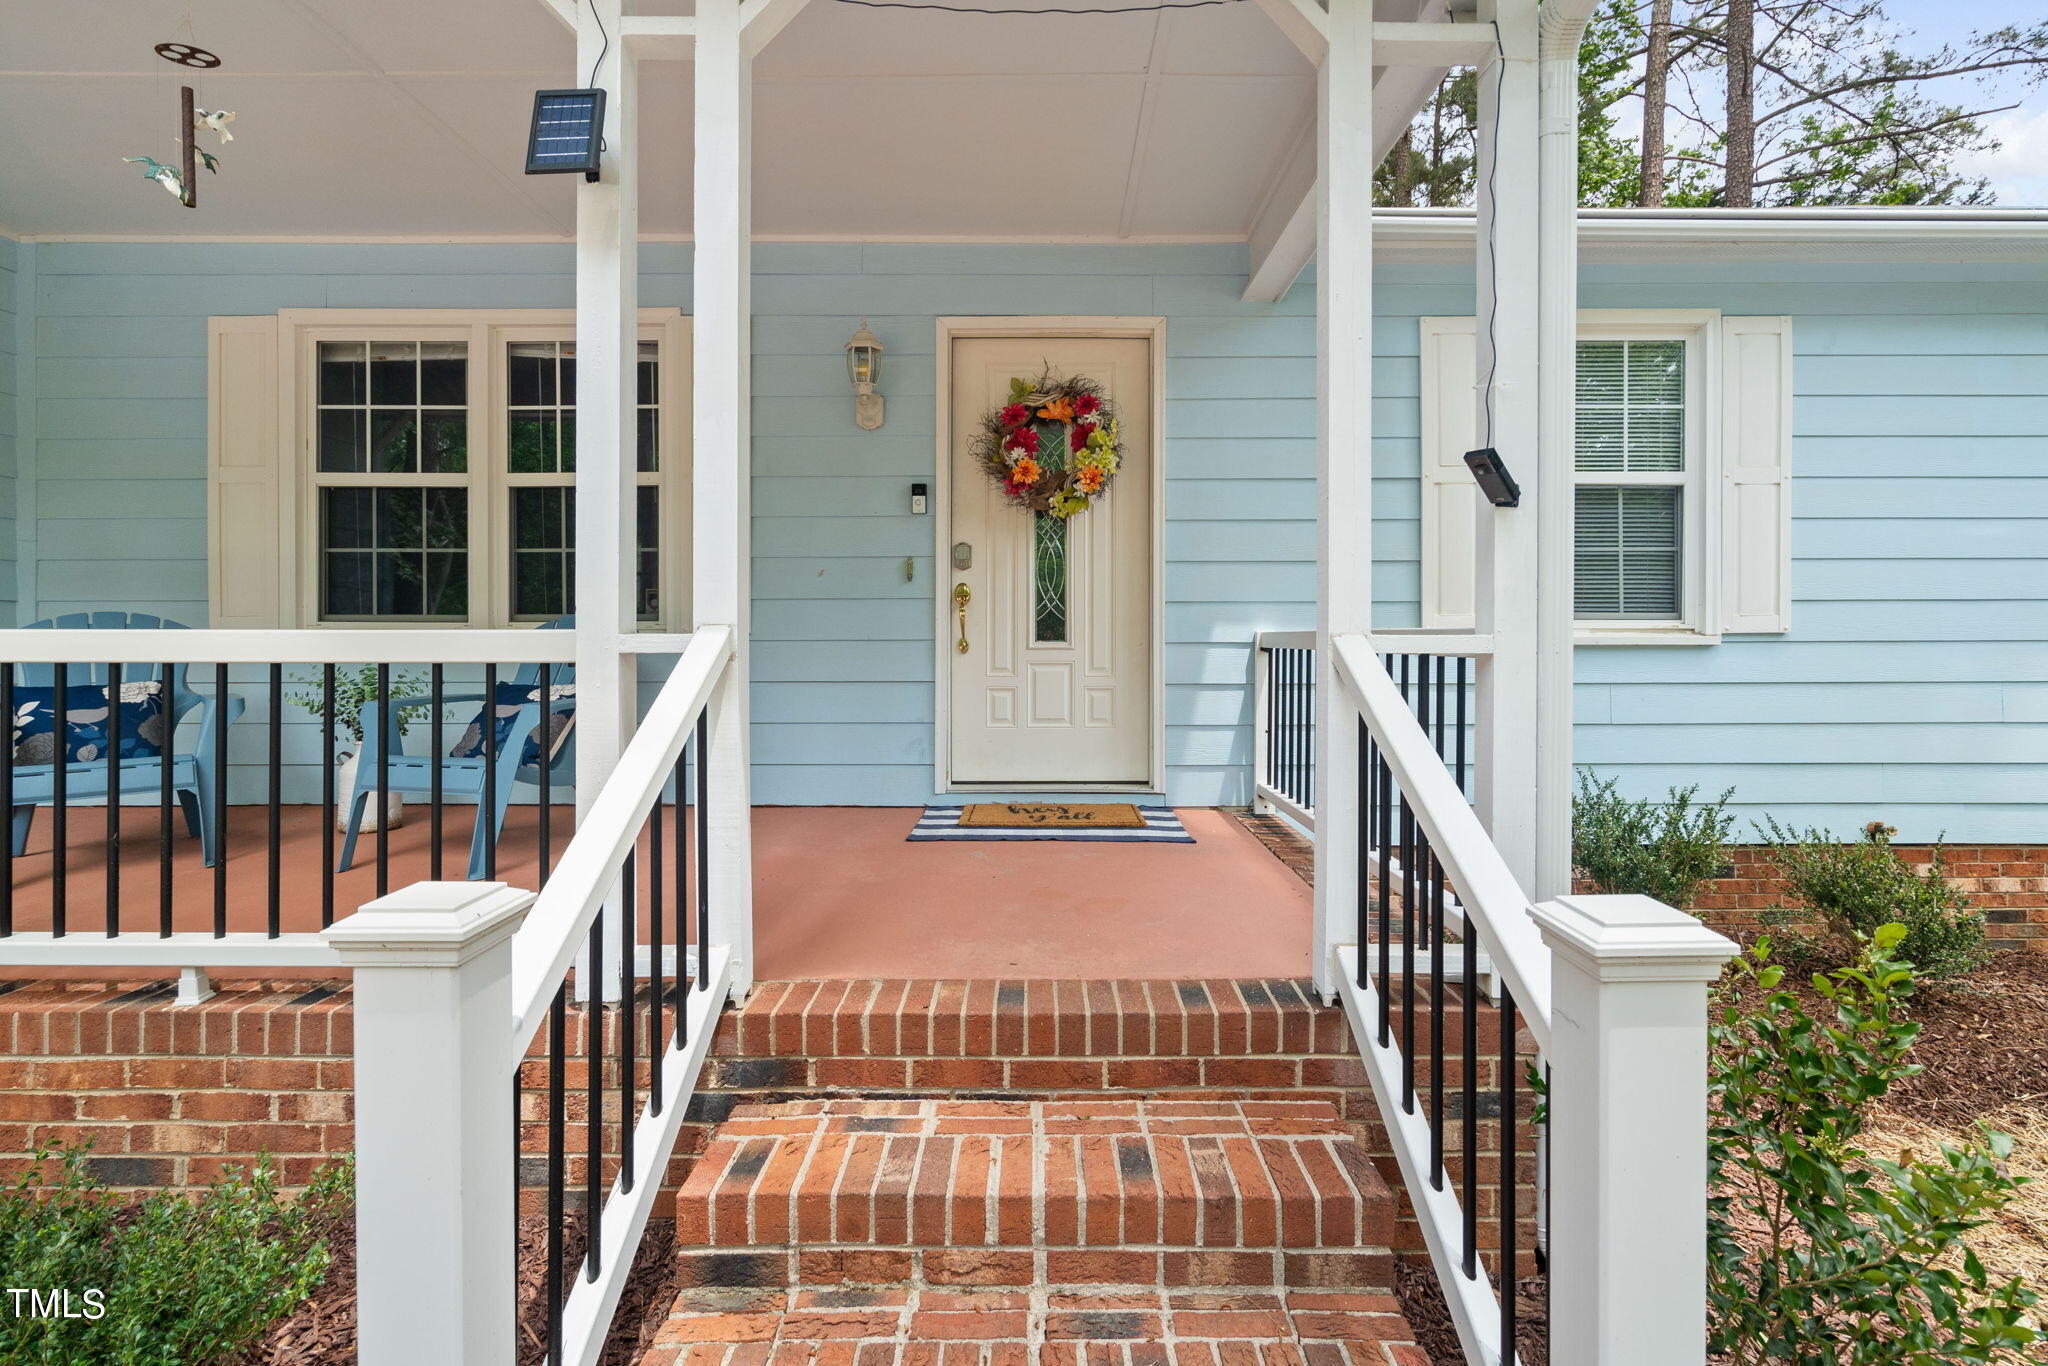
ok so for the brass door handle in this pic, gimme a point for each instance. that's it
(961, 597)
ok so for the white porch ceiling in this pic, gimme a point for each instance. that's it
(389, 118)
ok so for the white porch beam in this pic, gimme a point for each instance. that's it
(761, 20)
(1508, 419)
(1304, 24)
(1345, 160)
(721, 539)
(1438, 45)
(662, 37)
(607, 349)
(1282, 235)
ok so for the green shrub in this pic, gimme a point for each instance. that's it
(1667, 850)
(182, 1282)
(1851, 889)
(1855, 1265)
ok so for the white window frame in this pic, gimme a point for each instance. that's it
(1700, 562)
(486, 332)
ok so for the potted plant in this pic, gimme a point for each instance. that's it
(355, 689)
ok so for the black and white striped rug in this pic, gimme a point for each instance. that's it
(1161, 827)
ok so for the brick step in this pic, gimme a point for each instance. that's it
(1091, 1192)
(1035, 1018)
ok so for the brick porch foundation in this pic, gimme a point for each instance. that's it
(2008, 882)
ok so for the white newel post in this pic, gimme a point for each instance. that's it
(1343, 454)
(434, 1141)
(721, 454)
(607, 352)
(1628, 1129)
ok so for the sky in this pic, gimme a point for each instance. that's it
(2018, 171)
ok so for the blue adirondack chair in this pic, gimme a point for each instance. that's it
(193, 777)
(413, 774)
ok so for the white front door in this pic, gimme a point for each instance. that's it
(1054, 687)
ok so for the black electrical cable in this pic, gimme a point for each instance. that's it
(963, 9)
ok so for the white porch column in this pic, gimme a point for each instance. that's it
(1628, 1129)
(607, 348)
(1343, 453)
(1508, 538)
(1563, 23)
(721, 537)
(434, 1143)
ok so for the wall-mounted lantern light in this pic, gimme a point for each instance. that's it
(567, 132)
(864, 368)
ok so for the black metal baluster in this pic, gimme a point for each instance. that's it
(1283, 735)
(327, 795)
(682, 898)
(274, 881)
(168, 674)
(629, 911)
(1384, 834)
(435, 680)
(220, 800)
(113, 756)
(1442, 714)
(703, 850)
(1508, 1178)
(547, 757)
(487, 806)
(593, 1050)
(657, 984)
(7, 800)
(386, 730)
(60, 783)
(1436, 1016)
(1267, 773)
(558, 1123)
(1469, 1101)
(1407, 955)
(1461, 728)
(1364, 843)
(1309, 691)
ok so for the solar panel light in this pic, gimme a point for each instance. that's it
(568, 132)
(1493, 478)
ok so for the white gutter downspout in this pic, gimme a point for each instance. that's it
(1561, 25)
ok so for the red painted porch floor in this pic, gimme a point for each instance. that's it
(839, 893)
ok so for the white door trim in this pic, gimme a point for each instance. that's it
(1152, 330)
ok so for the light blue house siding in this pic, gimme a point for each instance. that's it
(1914, 685)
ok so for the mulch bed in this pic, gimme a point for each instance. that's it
(1983, 1047)
(323, 1331)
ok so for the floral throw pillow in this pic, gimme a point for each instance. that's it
(556, 723)
(142, 723)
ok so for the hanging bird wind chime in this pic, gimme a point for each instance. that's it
(182, 180)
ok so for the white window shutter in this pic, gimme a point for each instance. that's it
(250, 582)
(1756, 475)
(1450, 499)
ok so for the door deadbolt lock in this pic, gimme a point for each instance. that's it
(963, 555)
(961, 597)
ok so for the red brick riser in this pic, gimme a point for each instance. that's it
(168, 1095)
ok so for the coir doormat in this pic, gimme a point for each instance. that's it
(1052, 816)
(1090, 822)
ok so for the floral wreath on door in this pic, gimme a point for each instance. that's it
(1054, 447)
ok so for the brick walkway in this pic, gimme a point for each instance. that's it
(1032, 1326)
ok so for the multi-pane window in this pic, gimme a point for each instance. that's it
(1633, 476)
(443, 474)
(540, 444)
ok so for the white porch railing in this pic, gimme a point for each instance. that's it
(1612, 991)
(454, 980)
